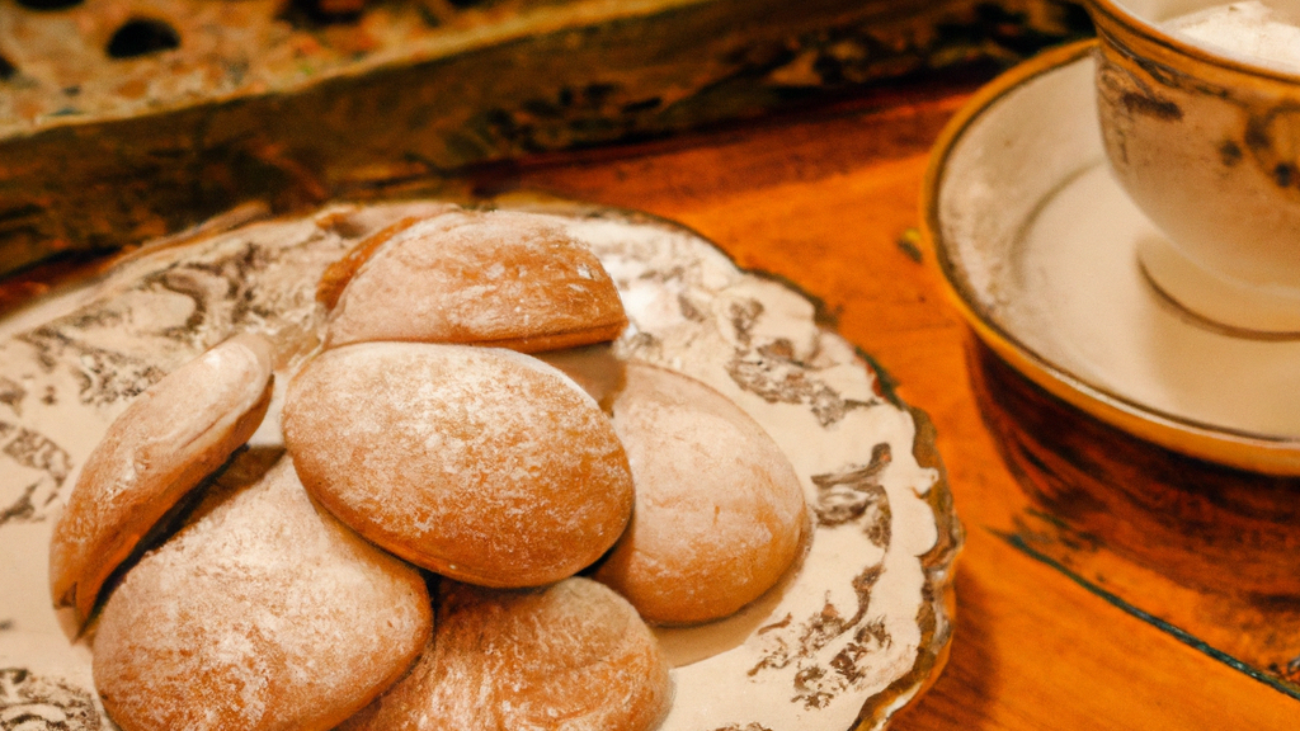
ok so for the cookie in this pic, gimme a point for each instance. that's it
(572, 657)
(502, 278)
(719, 512)
(265, 613)
(172, 436)
(481, 464)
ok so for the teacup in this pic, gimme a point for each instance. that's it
(1205, 138)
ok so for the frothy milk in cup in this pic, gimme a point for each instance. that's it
(1264, 31)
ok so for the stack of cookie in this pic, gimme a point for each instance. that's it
(478, 511)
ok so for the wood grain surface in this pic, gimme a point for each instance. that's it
(1054, 632)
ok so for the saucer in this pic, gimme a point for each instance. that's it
(1039, 246)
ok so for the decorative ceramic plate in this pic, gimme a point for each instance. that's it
(1039, 245)
(852, 634)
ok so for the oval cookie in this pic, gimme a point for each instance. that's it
(572, 657)
(264, 614)
(719, 511)
(507, 279)
(170, 438)
(481, 464)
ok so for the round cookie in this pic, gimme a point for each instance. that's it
(503, 278)
(719, 511)
(171, 437)
(481, 464)
(264, 614)
(572, 657)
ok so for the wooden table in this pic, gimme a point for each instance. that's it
(1064, 620)
(828, 198)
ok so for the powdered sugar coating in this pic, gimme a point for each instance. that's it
(478, 463)
(499, 277)
(264, 614)
(572, 657)
(719, 509)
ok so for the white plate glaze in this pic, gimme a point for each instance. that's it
(845, 640)
(1039, 244)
